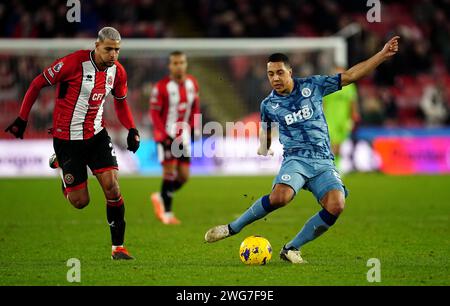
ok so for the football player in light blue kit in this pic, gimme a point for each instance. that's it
(295, 105)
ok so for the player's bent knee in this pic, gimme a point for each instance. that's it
(281, 195)
(335, 207)
(79, 202)
(279, 199)
(339, 207)
(334, 202)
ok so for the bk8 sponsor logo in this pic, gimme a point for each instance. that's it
(304, 113)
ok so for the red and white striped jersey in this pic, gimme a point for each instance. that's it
(81, 92)
(173, 102)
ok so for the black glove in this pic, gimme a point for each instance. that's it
(17, 128)
(133, 140)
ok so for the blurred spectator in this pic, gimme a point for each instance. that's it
(42, 114)
(422, 24)
(8, 88)
(433, 105)
(390, 107)
(372, 108)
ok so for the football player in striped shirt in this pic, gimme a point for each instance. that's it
(174, 102)
(84, 79)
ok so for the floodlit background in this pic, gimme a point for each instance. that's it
(396, 161)
(404, 105)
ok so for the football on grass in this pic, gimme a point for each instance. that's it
(255, 250)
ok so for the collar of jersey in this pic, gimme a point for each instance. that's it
(287, 96)
(93, 63)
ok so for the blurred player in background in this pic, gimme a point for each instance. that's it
(84, 79)
(295, 104)
(174, 101)
(341, 110)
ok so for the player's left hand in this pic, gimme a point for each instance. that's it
(17, 128)
(133, 140)
(391, 47)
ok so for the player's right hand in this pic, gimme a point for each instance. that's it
(133, 140)
(264, 152)
(391, 47)
(17, 128)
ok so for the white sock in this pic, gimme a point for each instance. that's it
(114, 247)
(168, 214)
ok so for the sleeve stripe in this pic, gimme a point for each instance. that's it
(121, 98)
(46, 78)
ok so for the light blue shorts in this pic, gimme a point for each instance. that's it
(316, 175)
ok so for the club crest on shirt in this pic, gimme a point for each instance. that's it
(286, 177)
(306, 92)
(68, 178)
(58, 66)
(109, 81)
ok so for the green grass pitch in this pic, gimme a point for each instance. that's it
(402, 221)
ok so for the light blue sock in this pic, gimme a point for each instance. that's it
(313, 228)
(258, 210)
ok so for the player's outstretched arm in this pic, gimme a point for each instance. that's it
(265, 141)
(17, 128)
(366, 67)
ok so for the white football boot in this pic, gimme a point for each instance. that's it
(292, 255)
(217, 233)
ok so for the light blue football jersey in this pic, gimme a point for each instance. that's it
(299, 115)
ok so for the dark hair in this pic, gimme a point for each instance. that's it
(176, 53)
(279, 57)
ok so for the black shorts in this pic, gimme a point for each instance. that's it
(73, 156)
(165, 156)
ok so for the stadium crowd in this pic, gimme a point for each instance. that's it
(47, 19)
(398, 93)
(411, 90)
